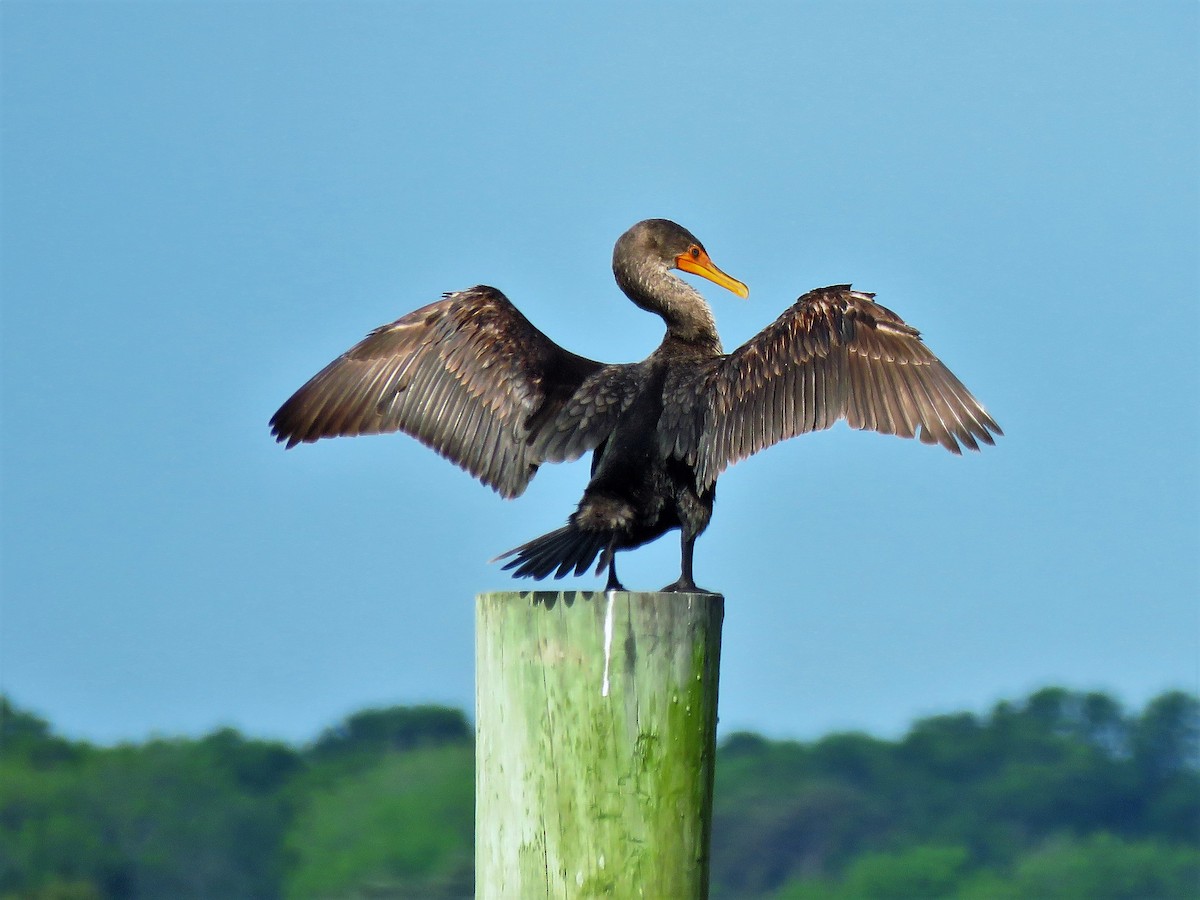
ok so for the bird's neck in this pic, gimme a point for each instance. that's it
(688, 316)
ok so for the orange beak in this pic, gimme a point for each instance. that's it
(696, 261)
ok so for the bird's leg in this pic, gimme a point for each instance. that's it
(611, 553)
(686, 584)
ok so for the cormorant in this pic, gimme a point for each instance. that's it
(472, 378)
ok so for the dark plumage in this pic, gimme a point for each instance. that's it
(472, 378)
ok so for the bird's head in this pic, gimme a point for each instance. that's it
(664, 243)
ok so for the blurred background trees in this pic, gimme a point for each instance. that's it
(1059, 795)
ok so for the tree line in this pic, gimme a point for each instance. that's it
(1060, 794)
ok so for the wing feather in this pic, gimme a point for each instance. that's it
(468, 376)
(835, 354)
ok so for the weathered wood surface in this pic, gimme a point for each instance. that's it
(596, 727)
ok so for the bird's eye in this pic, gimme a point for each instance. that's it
(695, 251)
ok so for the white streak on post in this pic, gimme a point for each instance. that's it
(608, 630)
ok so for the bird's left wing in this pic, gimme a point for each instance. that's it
(835, 354)
(468, 376)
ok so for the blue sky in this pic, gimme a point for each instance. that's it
(204, 203)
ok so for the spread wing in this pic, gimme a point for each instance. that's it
(835, 354)
(470, 377)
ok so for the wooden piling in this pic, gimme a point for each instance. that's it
(596, 723)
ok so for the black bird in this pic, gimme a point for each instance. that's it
(472, 378)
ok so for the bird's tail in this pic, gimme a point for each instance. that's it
(559, 552)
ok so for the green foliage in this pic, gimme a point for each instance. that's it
(1100, 867)
(257, 767)
(375, 731)
(57, 889)
(1062, 796)
(985, 791)
(163, 818)
(48, 845)
(1166, 739)
(403, 827)
(833, 801)
(929, 872)
(28, 737)
(1103, 867)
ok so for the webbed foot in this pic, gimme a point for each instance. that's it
(685, 586)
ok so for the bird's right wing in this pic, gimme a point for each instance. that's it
(470, 377)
